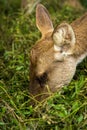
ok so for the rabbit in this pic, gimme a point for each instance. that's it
(54, 58)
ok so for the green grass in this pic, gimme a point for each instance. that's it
(65, 110)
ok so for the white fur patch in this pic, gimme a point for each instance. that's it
(57, 48)
(59, 56)
(81, 58)
(60, 35)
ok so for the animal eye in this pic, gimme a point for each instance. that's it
(42, 79)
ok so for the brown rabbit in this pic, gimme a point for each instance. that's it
(55, 56)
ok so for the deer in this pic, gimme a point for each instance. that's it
(54, 58)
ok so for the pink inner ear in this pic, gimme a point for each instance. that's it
(43, 20)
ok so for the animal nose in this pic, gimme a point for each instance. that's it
(42, 80)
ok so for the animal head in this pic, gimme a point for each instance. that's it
(53, 63)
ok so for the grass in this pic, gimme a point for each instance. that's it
(64, 110)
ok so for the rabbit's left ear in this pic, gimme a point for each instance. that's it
(43, 20)
(64, 34)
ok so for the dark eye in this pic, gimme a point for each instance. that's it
(42, 79)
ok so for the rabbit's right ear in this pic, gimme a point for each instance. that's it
(43, 20)
(64, 35)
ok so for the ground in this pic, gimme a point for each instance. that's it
(66, 109)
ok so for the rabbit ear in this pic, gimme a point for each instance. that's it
(43, 20)
(63, 35)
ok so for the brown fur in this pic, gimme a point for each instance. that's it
(80, 29)
(47, 75)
